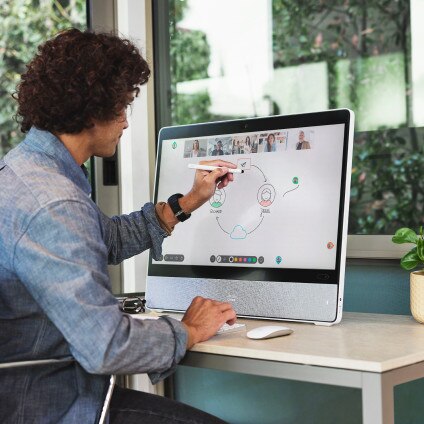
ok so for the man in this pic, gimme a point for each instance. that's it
(218, 149)
(302, 144)
(55, 244)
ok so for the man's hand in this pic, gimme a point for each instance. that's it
(205, 184)
(205, 317)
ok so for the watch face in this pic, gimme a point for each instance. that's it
(182, 216)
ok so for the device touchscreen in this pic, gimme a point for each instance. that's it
(281, 212)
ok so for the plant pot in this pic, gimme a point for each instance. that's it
(417, 295)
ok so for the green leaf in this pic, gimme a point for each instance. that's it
(420, 248)
(405, 235)
(410, 260)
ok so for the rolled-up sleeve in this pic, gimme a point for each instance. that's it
(61, 259)
(128, 235)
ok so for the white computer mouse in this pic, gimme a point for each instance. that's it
(268, 332)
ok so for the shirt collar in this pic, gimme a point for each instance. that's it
(48, 143)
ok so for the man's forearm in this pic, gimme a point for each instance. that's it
(128, 235)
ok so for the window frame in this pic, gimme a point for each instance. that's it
(136, 151)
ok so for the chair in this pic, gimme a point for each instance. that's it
(19, 364)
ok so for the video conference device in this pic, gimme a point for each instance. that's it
(273, 242)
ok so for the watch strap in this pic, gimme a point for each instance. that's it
(176, 208)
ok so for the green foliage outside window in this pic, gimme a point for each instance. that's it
(192, 108)
(363, 43)
(387, 189)
(190, 58)
(24, 24)
(190, 52)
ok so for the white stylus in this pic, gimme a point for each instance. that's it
(212, 168)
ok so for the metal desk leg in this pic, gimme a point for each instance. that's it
(377, 399)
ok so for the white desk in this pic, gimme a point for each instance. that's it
(373, 352)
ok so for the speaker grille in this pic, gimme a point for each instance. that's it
(271, 299)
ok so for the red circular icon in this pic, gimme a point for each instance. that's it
(330, 245)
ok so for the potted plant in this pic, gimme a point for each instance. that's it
(410, 261)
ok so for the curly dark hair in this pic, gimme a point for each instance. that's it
(78, 77)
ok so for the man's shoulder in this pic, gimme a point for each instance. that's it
(37, 182)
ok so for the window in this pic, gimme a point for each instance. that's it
(245, 58)
(23, 26)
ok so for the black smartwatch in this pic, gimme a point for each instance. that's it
(176, 208)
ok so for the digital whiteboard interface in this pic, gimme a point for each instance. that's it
(282, 212)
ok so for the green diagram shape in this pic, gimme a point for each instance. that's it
(216, 204)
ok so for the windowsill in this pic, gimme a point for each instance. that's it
(375, 247)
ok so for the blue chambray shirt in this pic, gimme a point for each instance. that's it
(55, 293)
